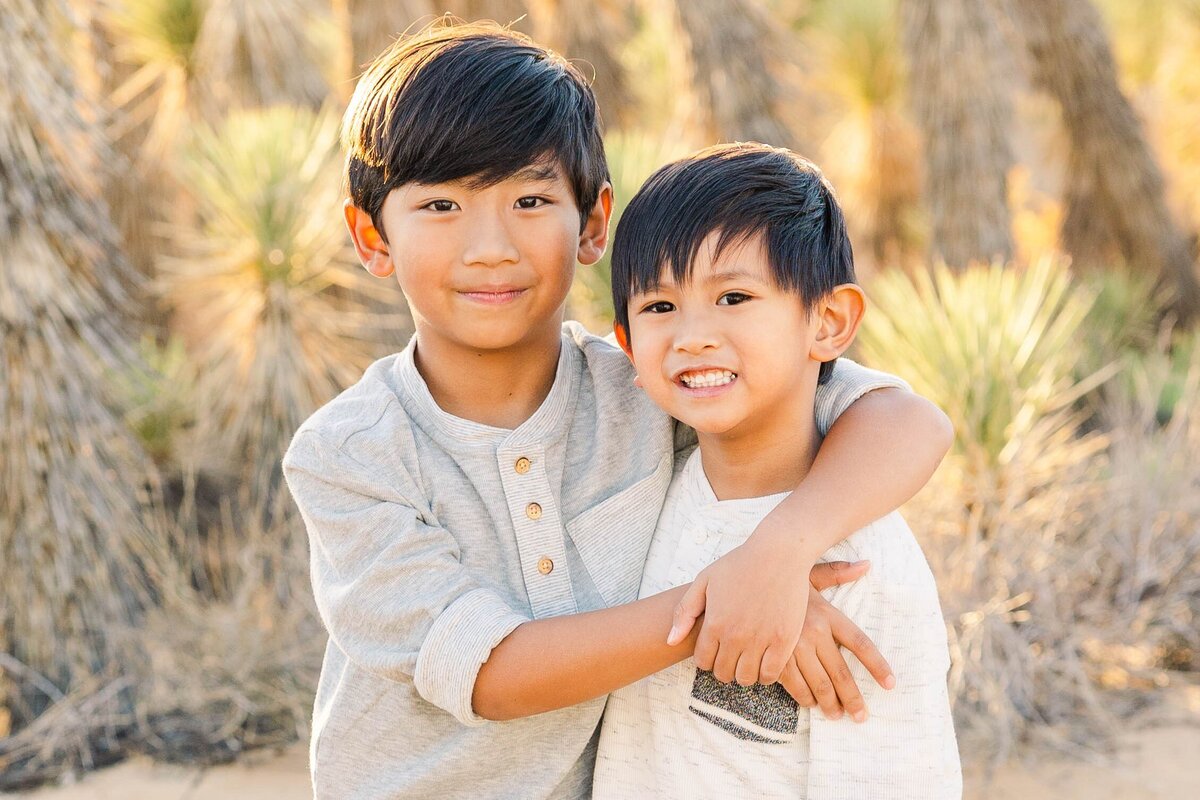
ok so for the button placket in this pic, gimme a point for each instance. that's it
(539, 534)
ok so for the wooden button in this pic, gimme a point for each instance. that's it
(533, 511)
(522, 466)
(545, 566)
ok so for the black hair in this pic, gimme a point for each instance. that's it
(475, 102)
(740, 190)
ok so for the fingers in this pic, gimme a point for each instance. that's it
(725, 664)
(835, 573)
(688, 611)
(796, 686)
(774, 662)
(851, 637)
(746, 672)
(819, 683)
(847, 691)
(705, 655)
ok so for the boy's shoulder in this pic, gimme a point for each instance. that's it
(359, 407)
(610, 390)
(601, 355)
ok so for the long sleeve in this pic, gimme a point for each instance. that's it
(390, 586)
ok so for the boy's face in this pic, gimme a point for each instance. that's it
(728, 349)
(484, 268)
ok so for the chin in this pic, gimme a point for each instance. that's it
(711, 427)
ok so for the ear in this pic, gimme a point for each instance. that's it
(623, 340)
(839, 316)
(368, 241)
(593, 239)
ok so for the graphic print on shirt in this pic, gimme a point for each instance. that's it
(758, 713)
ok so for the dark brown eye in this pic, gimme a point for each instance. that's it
(733, 299)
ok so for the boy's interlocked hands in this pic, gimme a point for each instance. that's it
(810, 666)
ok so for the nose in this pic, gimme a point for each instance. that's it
(490, 243)
(695, 332)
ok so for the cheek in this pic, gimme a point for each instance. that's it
(647, 355)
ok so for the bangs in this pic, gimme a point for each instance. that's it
(474, 105)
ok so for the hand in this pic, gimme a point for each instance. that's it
(817, 674)
(752, 643)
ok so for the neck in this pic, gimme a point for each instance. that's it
(768, 458)
(501, 388)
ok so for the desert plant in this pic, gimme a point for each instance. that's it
(871, 150)
(997, 348)
(157, 40)
(256, 53)
(79, 540)
(157, 394)
(1115, 195)
(234, 669)
(1148, 590)
(265, 289)
(962, 102)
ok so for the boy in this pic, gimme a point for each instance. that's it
(502, 472)
(733, 307)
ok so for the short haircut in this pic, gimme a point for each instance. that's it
(476, 102)
(739, 190)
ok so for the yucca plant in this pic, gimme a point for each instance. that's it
(257, 53)
(156, 39)
(632, 158)
(997, 348)
(81, 549)
(266, 291)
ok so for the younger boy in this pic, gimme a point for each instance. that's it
(733, 285)
(468, 496)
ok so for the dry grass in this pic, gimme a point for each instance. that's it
(233, 667)
(1065, 545)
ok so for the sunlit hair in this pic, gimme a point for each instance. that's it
(470, 102)
(736, 191)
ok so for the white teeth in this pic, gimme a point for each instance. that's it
(707, 379)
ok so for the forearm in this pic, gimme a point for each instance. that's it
(878, 454)
(553, 663)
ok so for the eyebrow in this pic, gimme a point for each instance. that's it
(733, 274)
(536, 172)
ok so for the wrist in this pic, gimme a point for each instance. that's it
(799, 543)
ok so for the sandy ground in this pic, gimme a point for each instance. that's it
(1152, 763)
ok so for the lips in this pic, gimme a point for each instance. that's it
(493, 295)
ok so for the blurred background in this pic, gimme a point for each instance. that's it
(177, 293)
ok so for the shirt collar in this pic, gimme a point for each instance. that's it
(458, 431)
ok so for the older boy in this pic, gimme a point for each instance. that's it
(501, 472)
(734, 307)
